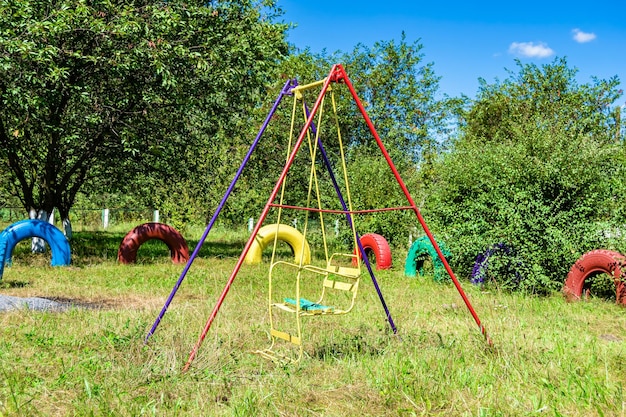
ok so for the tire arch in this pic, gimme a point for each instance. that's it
(423, 247)
(592, 262)
(373, 242)
(283, 233)
(25, 229)
(127, 252)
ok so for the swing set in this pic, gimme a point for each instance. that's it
(340, 273)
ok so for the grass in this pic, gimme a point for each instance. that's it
(550, 358)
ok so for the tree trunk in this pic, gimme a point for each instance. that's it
(67, 228)
(38, 245)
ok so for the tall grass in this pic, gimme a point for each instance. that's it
(550, 357)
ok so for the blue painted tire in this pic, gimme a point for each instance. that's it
(25, 229)
(3, 246)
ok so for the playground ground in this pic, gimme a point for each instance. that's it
(550, 357)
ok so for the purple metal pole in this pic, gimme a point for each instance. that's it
(286, 90)
(358, 242)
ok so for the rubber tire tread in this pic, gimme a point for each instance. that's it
(599, 260)
(127, 252)
(290, 235)
(423, 246)
(378, 244)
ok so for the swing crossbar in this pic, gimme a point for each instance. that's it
(308, 86)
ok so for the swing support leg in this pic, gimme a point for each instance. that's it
(343, 77)
(286, 90)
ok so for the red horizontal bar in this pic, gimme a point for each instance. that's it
(317, 210)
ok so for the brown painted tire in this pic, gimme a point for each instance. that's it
(127, 253)
(376, 243)
(595, 261)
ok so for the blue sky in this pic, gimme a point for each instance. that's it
(467, 40)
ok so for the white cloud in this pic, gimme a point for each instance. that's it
(531, 50)
(582, 37)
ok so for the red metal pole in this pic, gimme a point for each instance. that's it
(344, 77)
(331, 78)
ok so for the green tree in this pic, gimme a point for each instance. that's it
(96, 94)
(400, 93)
(535, 168)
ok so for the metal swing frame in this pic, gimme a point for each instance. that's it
(337, 75)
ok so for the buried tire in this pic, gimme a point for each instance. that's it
(127, 252)
(513, 273)
(25, 229)
(591, 263)
(283, 233)
(421, 250)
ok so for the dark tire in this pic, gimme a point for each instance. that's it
(177, 245)
(377, 244)
(593, 262)
(514, 265)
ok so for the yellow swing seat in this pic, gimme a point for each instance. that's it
(336, 277)
(340, 274)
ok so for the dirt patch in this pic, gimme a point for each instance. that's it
(9, 303)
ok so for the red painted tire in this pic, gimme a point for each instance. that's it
(373, 242)
(600, 260)
(127, 253)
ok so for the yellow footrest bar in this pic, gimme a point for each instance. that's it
(276, 357)
(285, 336)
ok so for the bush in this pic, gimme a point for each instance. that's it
(551, 201)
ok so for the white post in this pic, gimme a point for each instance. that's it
(295, 223)
(51, 218)
(156, 216)
(410, 239)
(105, 218)
(336, 227)
(250, 224)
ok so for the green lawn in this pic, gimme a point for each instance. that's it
(550, 357)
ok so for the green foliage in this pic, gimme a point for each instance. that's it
(96, 95)
(535, 168)
(398, 91)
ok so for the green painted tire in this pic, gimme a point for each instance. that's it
(420, 251)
